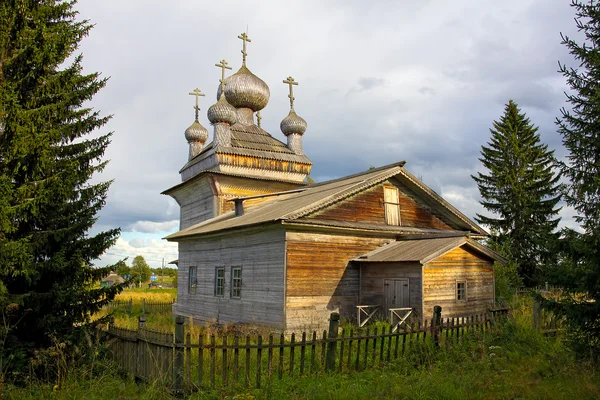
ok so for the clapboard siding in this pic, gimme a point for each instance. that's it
(372, 279)
(320, 278)
(368, 206)
(441, 274)
(196, 201)
(260, 253)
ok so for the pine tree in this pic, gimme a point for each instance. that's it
(47, 157)
(521, 190)
(580, 130)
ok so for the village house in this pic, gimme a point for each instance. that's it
(258, 244)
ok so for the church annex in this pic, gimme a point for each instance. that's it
(258, 244)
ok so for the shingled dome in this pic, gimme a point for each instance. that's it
(222, 111)
(293, 123)
(245, 90)
(196, 132)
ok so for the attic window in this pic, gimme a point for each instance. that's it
(391, 205)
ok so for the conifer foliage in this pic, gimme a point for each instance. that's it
(580, 130)
(520, 188)
(47, 157)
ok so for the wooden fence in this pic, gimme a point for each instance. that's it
(185, 363)
(146, 307)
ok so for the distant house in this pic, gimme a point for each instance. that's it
(111, 280)
(257, 244)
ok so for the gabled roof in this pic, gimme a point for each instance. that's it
(295, 204)
(425, 250)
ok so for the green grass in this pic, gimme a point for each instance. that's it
(513, 363)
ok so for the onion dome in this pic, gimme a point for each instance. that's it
(222, 111)
(196, 133)
(246, 90)
(293, 123)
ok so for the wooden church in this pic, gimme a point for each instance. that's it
(258, 244)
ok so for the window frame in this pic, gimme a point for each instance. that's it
(219, 279)
(396, 204)
(192, 285)
(457, 290)
(233, 286)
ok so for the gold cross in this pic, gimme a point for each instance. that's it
(245, 39)
(258, 118)
(290, 81)
(196, 92)
(223, 65)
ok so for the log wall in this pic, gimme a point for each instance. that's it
(439, 283)
(320, 277)
(196, 201)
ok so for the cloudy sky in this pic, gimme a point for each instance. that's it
(380, 82)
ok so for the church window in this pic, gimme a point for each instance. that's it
(192, 280)
(392, 205)
(219, 281)
(461, 290)
(236, 282)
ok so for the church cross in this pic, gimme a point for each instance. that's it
(290, 81)
(196, 92)
(223, 65)
(245, 39)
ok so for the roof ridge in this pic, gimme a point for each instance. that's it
(369, 171)
(343, 193)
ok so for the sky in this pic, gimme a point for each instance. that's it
(379, 82)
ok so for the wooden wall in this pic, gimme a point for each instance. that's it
(260, 253)
(439, 283)
(196, 201)
(368, 206)
(372, 278)
(320, 278)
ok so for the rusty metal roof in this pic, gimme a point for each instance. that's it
(424, 250)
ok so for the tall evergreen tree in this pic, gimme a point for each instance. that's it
(580, 129)
(521, 189)
(47, 203)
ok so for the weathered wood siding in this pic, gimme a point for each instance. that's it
(260, 253)
(196, 201)
(368, 206)
(439, 283)
(320, 278)
(372, 278)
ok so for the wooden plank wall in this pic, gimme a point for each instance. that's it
(260, 253)
(441, 274)
(196, 201)
(320, 278)
(372, 280)
(368, 206)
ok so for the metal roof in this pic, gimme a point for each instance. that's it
(424, 250)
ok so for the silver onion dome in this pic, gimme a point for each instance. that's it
(222, 111)
(293, 123)
(246, 90)
(196, 133)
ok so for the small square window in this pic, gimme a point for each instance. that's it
(461, 290)
(236, 282)
(192, 280)
(219, 281)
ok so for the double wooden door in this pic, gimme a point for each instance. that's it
(396, 293)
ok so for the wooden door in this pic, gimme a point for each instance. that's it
(396, 293)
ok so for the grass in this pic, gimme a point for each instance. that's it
(516, 362)
(156, 295)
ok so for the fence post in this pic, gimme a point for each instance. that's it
(178, 370)
(144, 305)
(142, 322)
(130, 305)
(435, 325)
(334, 323)
(536, 313)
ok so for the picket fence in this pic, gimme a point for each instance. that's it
(146, 307)
(184, 364)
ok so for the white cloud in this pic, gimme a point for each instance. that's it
(155, 227)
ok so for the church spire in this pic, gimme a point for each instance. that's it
(222, 114)
(196, 135)
(293, 126)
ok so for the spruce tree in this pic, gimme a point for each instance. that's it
(47, 157)
(580, 130)
(521, 190)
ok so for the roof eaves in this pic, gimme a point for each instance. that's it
(459, 242)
